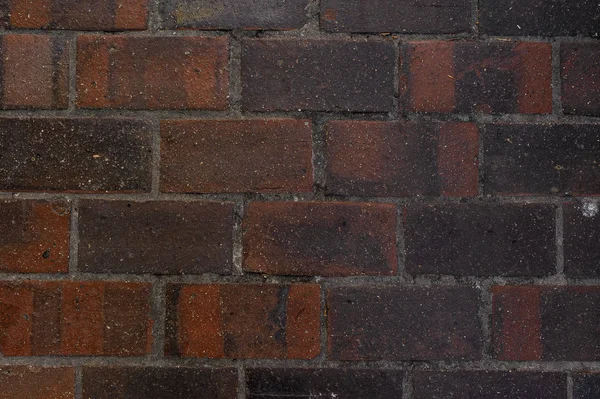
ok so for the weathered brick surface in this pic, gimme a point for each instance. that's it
(26, 382)
(34, 236)
(323, 239)
(152, 72)
(580, 77)
(108, 15)
(445, 16)
(232, 14)
(74, 318)
(402, 159)
(392, 323)
(74, 155)
(541, 159)
(581, 239)
(332, 383)
(480, 240)
(546, 323)
(243, 321)
(317, 75)
(158, 382)
(586, 386)
(494, 77)
(155, 237)
(271, 155)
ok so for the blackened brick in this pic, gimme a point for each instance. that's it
(420, 16)
(401, 158)
(264, 383)
(84, 154)
(27, 382)
(392, 323)
(541, 159)
(489, 385)
(160, 237)
(221, 156)
(580, 77)
(323, 239)
(233, 14)
(480, 239)
(159, 383)
(581, 240)
(546, 323)
(586, 386)
(317, 75)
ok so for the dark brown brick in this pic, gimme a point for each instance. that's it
(152, 72)
(32, 382)
(480, 239)
(416, 16)
(34, 236)
(317, 75)
(77, 155)
(392, 323)
(369, 158)
(222, 156)
(546, 323)
(324, 239)
(159, 383)
(233, 14)
(489, 385)
(541, 159)
(159, 237)
(586, 386)
(477, 77)
(265, 383)
(243, 321)
(74, 318)
(34, 72)
(107, 15)
(581, 239)
(580, 77)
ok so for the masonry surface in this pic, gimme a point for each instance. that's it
(299, 199)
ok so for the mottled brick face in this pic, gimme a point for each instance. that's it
(581, 239)
(25, 382)
(580, 77)
(586, 386)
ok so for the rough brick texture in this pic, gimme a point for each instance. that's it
(581, 239)
(586, 386)
(23, 382)
(580, 77)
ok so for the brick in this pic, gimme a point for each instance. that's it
(480, 239)
(34, 72)
(29, 382)
(159, 237)
(326, 383)
(539, 18)
(581, 239)
(324, 239)
(152, 72)
(107, 15)
(317, 75)
(495, 77)
(232, 14)
(489, 385)
(266, 156)
(393, 323)
(586, 386)
(546, 323)
(363, 16)
(243, 321)
(369, 158)
(76, 155)
(34, 236)
(541, 159)
(125, 382)
(74, 318)
(580, 78)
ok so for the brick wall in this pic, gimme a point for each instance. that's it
(277, 199)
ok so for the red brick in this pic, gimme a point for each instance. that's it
(369, 158)
(482, 77)
(546, 323)
(34, 236)
(323, 239)
(580, 77)
(152, 72)
(35, 72)
(107, 15)
(74, 318)
(29, 382)
(243, 321)
(223, 156)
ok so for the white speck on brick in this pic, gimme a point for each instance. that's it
(589, 209)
